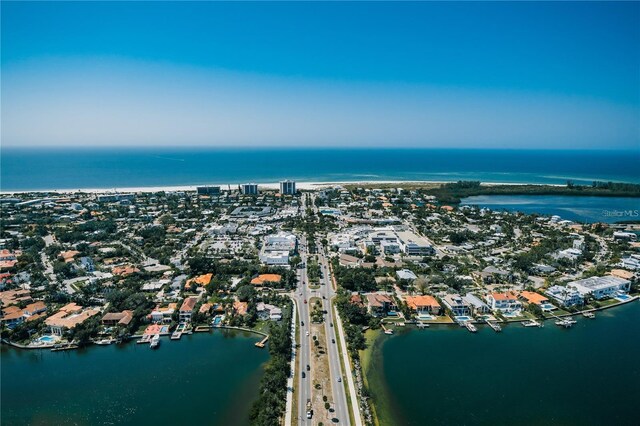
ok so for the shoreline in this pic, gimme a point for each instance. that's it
(374, 342)
(302, 185)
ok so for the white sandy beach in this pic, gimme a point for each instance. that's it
(268, 185)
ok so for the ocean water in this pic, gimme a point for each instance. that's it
(586, 375)
(74, 168)
(577, 209)
(201, 379)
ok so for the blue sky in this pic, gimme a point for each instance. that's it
(516, 75)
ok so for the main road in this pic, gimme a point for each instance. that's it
(302, 296)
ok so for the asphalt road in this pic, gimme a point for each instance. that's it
(302, 294)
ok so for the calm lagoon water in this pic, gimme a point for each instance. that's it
(201, 379)
(74, 168)
(578, 209)
(587, 375)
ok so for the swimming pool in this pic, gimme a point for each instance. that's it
(47, 339)
(463, 318)
(217, 320)
(623, 297)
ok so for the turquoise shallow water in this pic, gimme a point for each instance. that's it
(587, 375)
(201, 379)
(27, 169)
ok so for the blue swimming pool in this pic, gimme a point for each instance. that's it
(623, 297)
(463, 318)
(47, 339)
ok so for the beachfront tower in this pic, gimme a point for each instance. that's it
(249, 188)
(287, 187)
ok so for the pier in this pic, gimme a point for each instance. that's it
(261, 343)
(494, 325)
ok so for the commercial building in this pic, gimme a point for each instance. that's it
(414, 245)
(249, 188)
(287, 187)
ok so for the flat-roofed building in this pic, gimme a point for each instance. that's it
(287, 187)
(249, 188)
(208, 190)
(565, 296)
(413, 244)
(601, 287)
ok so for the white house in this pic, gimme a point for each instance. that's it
(566, 297)
(601, 287)
(505, 302)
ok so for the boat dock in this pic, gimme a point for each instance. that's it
(202, 328)
(494, 325)
(386, 330)
(589, 315)
(472, 328)
(531, 323)
(64, 347)
(146, 338)
(261, 343)
(422, 325)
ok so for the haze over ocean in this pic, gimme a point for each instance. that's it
(76, 168)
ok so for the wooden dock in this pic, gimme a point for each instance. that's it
(261, 343)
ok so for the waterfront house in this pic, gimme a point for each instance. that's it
(163, 314)
(565, 296)
(240, 307)
(423, 305)
(456, 304)
(117, 318)
(35, 308)
(186, 310)
(68, 317)
(537, 299)
(601, 287)
(504, 302)
(478, 307)
(12, 316)
(380, 304)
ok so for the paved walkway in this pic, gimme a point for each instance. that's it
(288, 418)
(347, 365)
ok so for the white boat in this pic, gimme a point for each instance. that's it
(104, 342)
(589, 315)
(388, 331)
(472, 328)
(564, 323)
(531, 323)
(155, 341)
